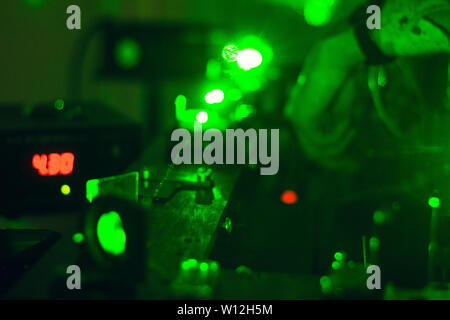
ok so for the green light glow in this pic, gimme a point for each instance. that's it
(379, 217)
(92, 189)
(227, 225)
(59, 104)
(110, 233)
(65, 189)
(215, 96)
(78, 237)
(382, 78)
(339, 256)
(248, 59)
(318, 12)
(180, 107)
(214, 266)
(243, 111)
(213, 69)
(336, 265)
(189, 264)
(204, 267)
(434, 202)
(326, 284)
(374, 243)
(235, 94)
(243, 270)
(128, 53)
(202, 117)
(230, 53)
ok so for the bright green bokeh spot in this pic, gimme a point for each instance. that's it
(215, 96)
(202, 117)
(339, 256)
(110, 233)
(248, 59)
(128, 53)
(336, 265)
(434, 202)
(379, 217)
(78, 237)
(204, 267)
(59, 104)
(189, 264)
(318, 12)
(65, 189)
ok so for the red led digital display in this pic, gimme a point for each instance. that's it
(54, 163)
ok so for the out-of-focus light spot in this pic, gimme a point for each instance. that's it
(180, 101)
(214, 266)
(434, 202)
(318, 12)
(189, 264)
(326, 284)
(374, 243)
(128, 53)
(215, 96)
(230, 53)
(202, 117)
(78, 237)
(65, 189)
(339, 256)
(203, 267)
(110, 233)
(243, 270)
(336, 265)
(289, 197)
(59, 104)
(379, 217)
(248, 59)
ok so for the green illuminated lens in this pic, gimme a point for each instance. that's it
(110, 233)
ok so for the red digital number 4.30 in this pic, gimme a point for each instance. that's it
(54, 163)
